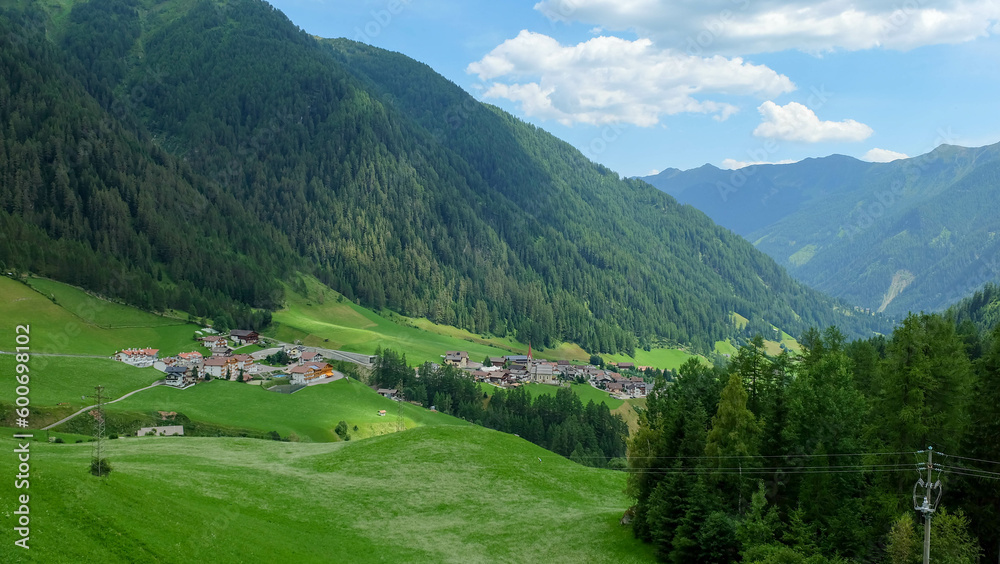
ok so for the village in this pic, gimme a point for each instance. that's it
(226, 359)
(516, 370)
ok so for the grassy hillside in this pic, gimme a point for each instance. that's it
(585, 391)
(318, 316)
(56, 329)
(61, 380)
(311, 413)
(465, 494)
(322, 317)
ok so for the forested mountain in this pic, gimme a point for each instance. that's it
(913, 234)
(193, 154)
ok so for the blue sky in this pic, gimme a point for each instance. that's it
(642, 85)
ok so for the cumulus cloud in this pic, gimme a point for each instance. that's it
(795, 122)
(613, 80)
(883, 156)
(758, 26)
(733, 164)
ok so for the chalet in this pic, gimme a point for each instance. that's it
(311, 356)
(389, 393)
(190, 359)
(241, 337)
(165, 431)
(457, 358)
(178, 377)
(497, 361)
(214, 341)
(616, 387)
(626, 366)
(517, 359)
(243, 361)
(381, 413)
(220, 366)
(138, 357)
(304, 373)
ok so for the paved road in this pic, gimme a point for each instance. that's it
(336, 376)
(330, 354)
(61, 421)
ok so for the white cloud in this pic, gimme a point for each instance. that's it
(733, 164)
(758, 26)
(613, 80)
(795, 122)
(653, 172)
(883, 156)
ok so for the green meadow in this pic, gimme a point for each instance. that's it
(657, 358)
(431, 494)
(62, 380)
(57, 329)
(311, 413)
(586, 392)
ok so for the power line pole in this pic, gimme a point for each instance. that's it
(930, 503)
(99, 430)
(400, 423)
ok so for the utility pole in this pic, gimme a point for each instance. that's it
(930, 503)
(400, 423)
(99, 430)
(927, 514)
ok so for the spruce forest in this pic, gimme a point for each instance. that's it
(203, 153)
(815, 458)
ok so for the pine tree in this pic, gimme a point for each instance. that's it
(733, 443)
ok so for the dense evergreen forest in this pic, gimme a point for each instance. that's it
(194, 155)
(982, 309)
(813, 458)
(587, 434)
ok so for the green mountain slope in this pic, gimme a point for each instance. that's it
(914, 234)
(273, 151)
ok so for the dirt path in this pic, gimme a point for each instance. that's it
(61, 421)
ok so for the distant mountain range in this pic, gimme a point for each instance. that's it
(196, 154)
(910, 235)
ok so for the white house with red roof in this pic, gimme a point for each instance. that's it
(141, 358)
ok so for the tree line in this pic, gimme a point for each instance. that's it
(588, 434)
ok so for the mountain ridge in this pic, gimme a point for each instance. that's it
(849, 228)
(389, 183)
